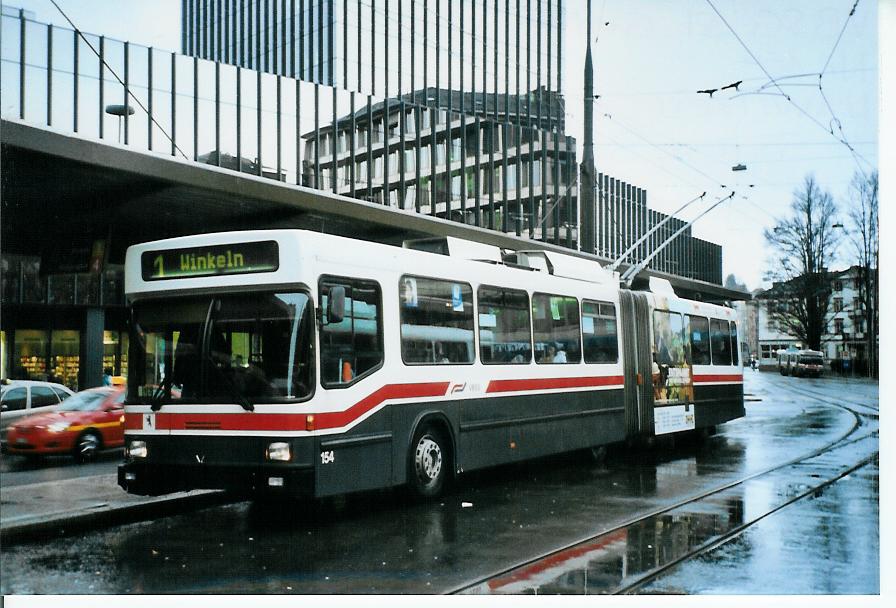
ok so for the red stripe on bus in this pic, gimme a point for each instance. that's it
(535, 384)
(252, 421)
(329, 420)
(719, 378)
(133, 422)
(559, 559)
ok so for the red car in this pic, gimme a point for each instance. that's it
(83, 424)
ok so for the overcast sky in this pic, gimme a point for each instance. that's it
(653, 129)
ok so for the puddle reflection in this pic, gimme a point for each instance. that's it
(604, 564)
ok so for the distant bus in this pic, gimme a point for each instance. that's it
(800, 362)
(293, 362)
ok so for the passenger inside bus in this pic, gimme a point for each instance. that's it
(552, 355)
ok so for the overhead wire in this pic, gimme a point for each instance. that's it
(772, 81)
(685, 163)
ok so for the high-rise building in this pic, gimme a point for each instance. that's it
(451, 108)
(446, 107)
(391, 48)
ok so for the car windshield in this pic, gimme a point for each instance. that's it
(87, 401)
(239, 348)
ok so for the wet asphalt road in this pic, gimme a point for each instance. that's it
(15, 470)
(381, 543)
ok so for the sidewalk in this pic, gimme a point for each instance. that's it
(51, 507)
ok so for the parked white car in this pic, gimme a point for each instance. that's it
(23, 397)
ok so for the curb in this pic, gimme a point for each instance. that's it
(64, 524)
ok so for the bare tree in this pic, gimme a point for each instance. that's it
(803, 245)
(864, 236)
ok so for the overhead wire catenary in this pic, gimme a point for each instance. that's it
(772, 81)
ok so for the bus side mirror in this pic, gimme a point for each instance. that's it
(336, 304)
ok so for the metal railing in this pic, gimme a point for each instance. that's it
(236, 118)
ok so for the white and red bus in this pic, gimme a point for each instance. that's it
(294, 362)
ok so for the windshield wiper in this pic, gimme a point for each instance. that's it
(157, 400)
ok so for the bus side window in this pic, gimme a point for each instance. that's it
(352, 347)
(699, 327)
(504, 332)
(436, 321)
(556, 329)
(720, 342)
(600, 344)
(734, 348)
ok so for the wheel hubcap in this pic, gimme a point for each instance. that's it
(88, 445)
(428, 459)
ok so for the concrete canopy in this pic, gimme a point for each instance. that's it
(60, 191)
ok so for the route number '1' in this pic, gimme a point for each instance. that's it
(327, 457)
(160, 266)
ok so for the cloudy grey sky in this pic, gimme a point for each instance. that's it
(653, 129)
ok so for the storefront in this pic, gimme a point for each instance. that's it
(62, 328)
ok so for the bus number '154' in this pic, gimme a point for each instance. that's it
(327, 457)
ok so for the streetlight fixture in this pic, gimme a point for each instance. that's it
(120, 110)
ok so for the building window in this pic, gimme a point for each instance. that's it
(838, 326)
(838, 304)
(838, 285)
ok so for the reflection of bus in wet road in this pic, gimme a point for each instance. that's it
(612, 560)
(297, 363)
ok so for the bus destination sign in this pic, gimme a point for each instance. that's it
(209, 261)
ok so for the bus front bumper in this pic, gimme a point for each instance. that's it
(183, 463)
(149, 479)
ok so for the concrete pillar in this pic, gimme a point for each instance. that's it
(91, 355)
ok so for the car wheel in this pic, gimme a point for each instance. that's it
(429, 462)
(87, 446)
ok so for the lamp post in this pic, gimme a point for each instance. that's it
(120, 110)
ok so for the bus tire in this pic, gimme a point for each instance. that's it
(429, 462)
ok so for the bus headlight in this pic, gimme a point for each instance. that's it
(137, 449)
(279, 450)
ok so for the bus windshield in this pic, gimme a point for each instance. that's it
(235, 348)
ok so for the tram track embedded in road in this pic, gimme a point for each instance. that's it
(632, 583)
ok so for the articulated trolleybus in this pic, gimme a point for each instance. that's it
(298, 363)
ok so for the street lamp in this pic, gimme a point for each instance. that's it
(120, 110)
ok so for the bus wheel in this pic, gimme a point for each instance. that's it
(429, 462)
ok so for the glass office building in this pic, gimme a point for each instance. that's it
(450, 108)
